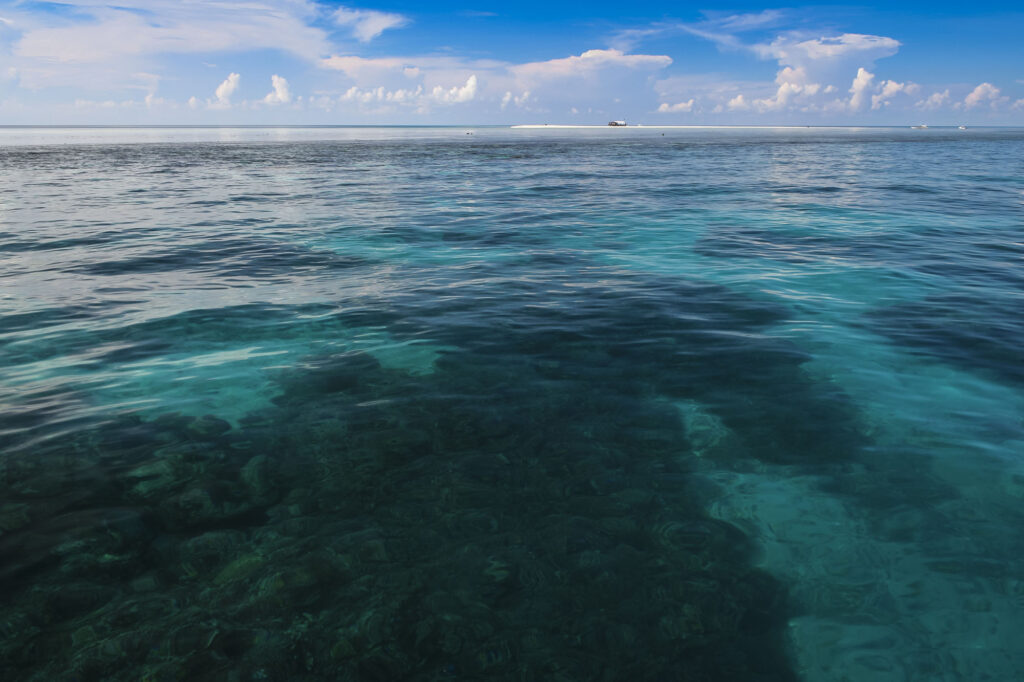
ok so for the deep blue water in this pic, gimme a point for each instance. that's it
(385, 404)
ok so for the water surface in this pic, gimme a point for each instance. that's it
(413, 403)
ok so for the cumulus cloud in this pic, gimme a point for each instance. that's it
(224, 91)
(382, 95)
(667, 108)
(984, 93)
(808, 62)
(456, 93)
(791, 84)
(592, 78)
(419, 97)
(519, 100)
(738, 103)
(367, 24)
(859, 89)
(889, 90)
(934, 100)
(279, 94)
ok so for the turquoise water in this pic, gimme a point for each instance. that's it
(382, 404)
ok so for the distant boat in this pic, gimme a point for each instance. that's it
(963, 127)
(920, 127)
(616, 123)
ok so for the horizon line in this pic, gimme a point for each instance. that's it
(533, 126)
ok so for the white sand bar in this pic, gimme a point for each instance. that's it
(659, 127)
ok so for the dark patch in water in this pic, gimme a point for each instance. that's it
(229, 258)
(206, 327)
(523, 512)
(978, 258)
(967, 329)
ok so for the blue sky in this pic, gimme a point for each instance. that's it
(302, 61)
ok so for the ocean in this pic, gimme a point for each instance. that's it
(511, 404)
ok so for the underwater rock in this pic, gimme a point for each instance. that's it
(207, 427)
(208, 504)
(240, 569)
(154, 479)
(258, 477)
(201, 554)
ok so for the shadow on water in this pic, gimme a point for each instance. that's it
(524, 511)
(980, 332)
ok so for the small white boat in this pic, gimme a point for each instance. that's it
(963, 127)
(616, 123)
(920, 127)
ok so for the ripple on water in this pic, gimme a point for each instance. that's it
(387, 404)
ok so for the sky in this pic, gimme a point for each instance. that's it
(294, 62)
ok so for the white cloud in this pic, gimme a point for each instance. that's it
(417, 97)
(92, 104)
(404, 73)
(718, 27)
(362, 67)
(667, 108)
(859, 88)
(593, 77)
(456, 93)
(381, 95)
(102, 32)
(519, 100)
(934, 100)
(193, 103)
(737, 23)
(367, 24)
(889, 90)
(588, 63)
(986, 92)
(280, 93)
(224, 91)
(738, 103)
(807, 62)
(790, 49)
(792, 83)
(1019, 104)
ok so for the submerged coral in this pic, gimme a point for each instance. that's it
(523, 511)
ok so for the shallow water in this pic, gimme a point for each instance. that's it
(378, 404)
